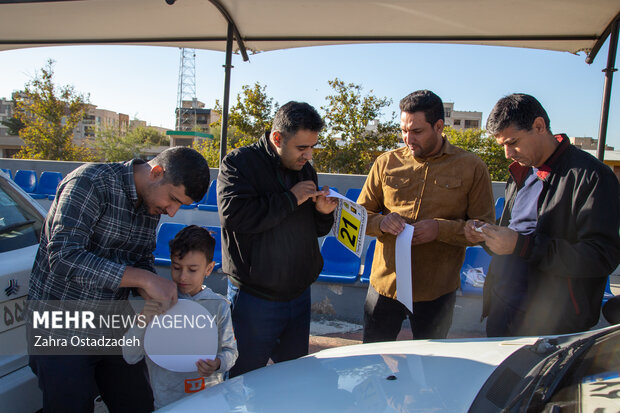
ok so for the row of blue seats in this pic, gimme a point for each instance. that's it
(44, 187)
(340, 265)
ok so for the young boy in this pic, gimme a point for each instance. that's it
(191, 253)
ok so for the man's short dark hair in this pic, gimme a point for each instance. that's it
(193, 238)
(185, 166)
(423, 101)
(518, 110)
(295, 116)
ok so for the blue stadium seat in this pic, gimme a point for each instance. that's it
(353, 194)
(499, 207)
(48, 182)
(370, 252)
(26, 179)
(608, 294)
(216, 232)
(340, 265)
(475, 257)
(210, 203)
(193, 205)
(167, 231)
(8, 172)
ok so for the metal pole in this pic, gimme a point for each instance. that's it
(227, 67)
(609, 75)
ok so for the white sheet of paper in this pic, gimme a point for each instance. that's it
(178, 349)
(403, 267)
(334, 194)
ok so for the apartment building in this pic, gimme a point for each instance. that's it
(587, 143)
(193, 115)
(9, 144)
(461, 120)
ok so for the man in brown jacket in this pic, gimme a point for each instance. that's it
(436, 187)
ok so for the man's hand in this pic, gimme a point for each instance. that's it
(473, 236)
(208, 367)
(392, 223)
(324, 204)
(304, 190)
(425, 231)
(500, 240)
(160, 290)
(151, 309)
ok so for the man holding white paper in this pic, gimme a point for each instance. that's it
(436, 187)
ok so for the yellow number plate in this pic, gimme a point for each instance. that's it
(348, 230)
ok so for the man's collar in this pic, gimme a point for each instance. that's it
(266, 144)
(550, 164)
(129, 183)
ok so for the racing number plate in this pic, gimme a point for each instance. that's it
(348, 230)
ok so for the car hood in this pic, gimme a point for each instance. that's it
(402, 376)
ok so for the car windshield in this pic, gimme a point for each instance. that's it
(592, 383)
(20, 222)
(571, 373)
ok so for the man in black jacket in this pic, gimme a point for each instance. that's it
(272, 213)
(558, 235)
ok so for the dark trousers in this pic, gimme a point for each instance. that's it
(504, 319)
(71, 383)
(384, 316)
(265, 329)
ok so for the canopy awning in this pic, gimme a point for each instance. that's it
(262, 25)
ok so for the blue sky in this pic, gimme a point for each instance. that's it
(142, 81)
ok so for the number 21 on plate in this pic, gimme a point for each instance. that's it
(348, 230)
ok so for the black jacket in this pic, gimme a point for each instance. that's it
(575, 245)
(269, 244)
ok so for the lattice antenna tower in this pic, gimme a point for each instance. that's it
(186, 112)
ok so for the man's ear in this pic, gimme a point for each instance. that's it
(277, 139)
(439, 126)
(539, 125)
(156, 173)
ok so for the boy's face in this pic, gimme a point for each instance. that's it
(190, 271)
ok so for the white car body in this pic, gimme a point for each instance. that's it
(19, 391)
(402, 376)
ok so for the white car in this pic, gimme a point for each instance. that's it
(21, 220)
(576, 373)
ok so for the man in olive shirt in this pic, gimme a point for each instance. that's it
(436, 187)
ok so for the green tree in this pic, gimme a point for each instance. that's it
(14, 125)
(50, 114)
(150, 136)
(354, 133)
(114, 146)
(476, 141)
(210, 149)
(250, 117)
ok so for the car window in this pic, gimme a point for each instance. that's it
(593, 384)
(20, 222)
